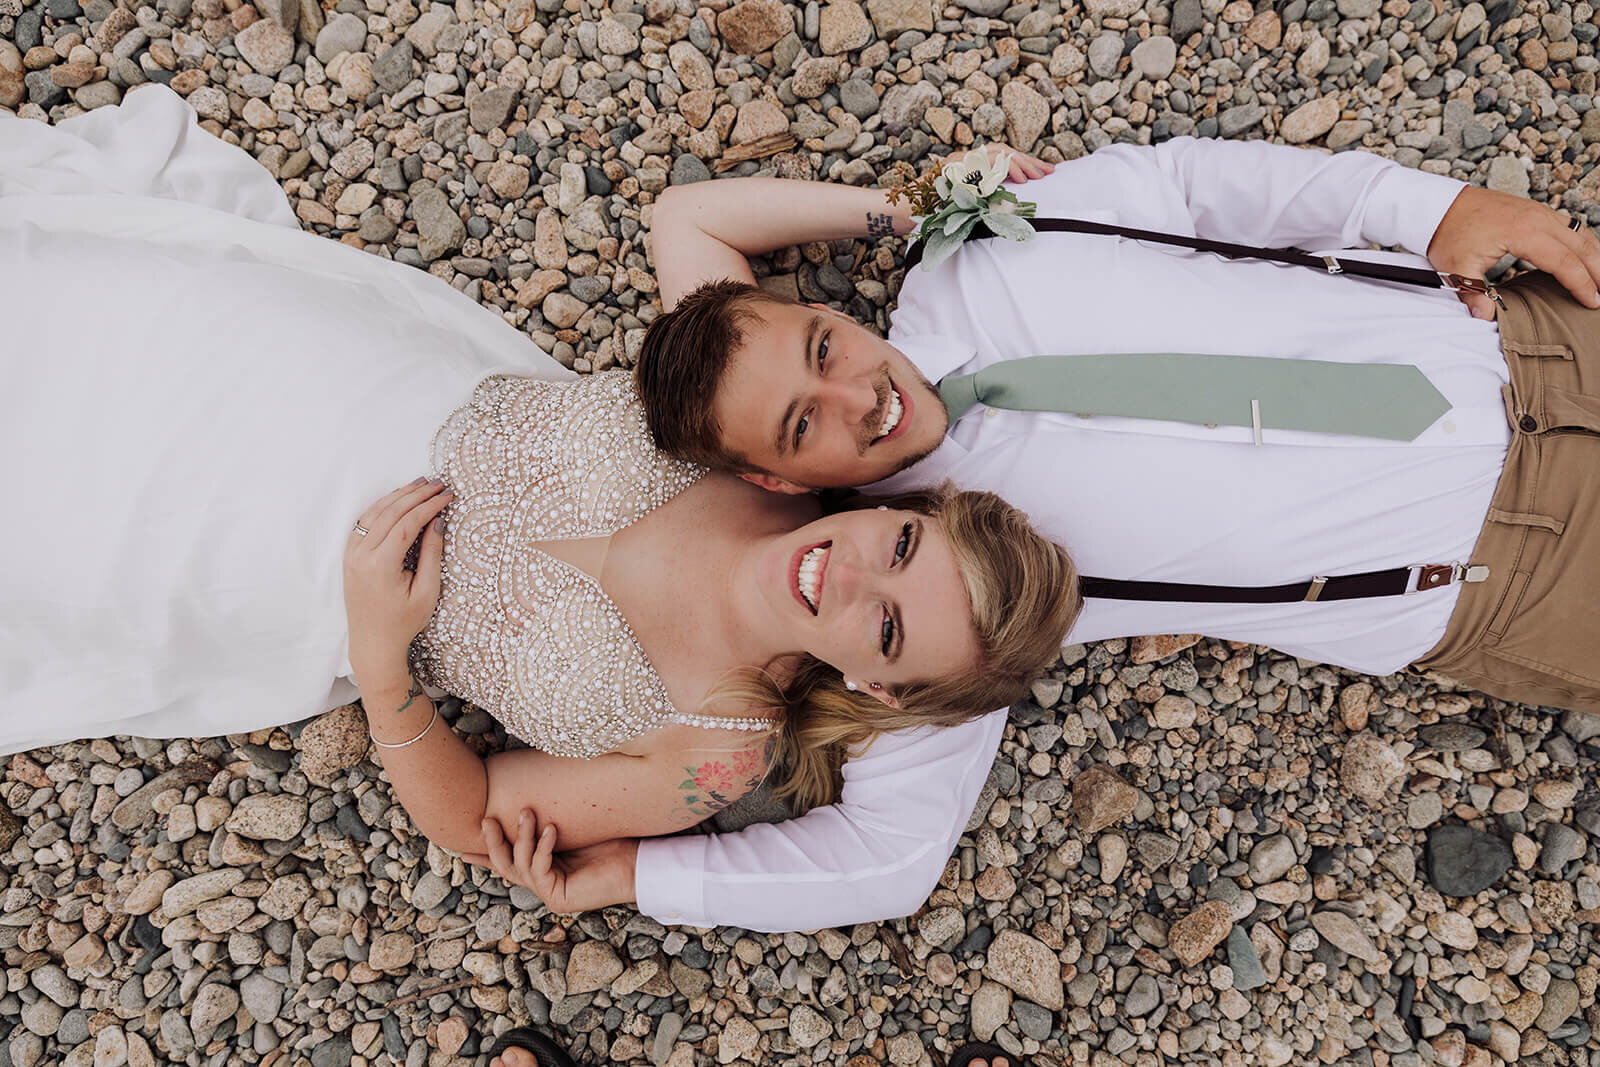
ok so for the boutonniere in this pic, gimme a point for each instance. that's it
(961, 194)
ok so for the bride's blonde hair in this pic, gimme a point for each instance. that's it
(1023, 591)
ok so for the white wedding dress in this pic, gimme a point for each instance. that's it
(197, 400)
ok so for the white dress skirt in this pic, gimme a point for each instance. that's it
(196, 401)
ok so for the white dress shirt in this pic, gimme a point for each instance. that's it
(1142, 499)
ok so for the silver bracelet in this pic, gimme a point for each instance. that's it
(383, 744)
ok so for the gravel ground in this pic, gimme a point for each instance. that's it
(1188, 851)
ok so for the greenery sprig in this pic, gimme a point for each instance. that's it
(953, 200)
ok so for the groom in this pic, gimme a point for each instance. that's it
(795, 396)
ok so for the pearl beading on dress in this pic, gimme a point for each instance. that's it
(527, 637)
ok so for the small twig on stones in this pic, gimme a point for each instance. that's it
(423, 994)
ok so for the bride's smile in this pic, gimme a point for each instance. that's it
(875, 593)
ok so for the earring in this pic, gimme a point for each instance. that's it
(850, 686)
(875, 685)
(883, 507)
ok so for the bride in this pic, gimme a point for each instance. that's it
(206, 403)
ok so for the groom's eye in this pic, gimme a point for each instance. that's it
(822, 353)
(800, 428)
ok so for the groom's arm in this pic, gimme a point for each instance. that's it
(705, 231)
(1268, 195)
(874, 855)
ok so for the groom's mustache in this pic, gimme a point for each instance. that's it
(869, 425)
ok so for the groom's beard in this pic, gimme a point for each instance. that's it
(929, 405)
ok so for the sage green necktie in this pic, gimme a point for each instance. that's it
(1388, 400)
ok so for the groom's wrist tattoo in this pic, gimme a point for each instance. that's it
(416, 691)
(880, 224)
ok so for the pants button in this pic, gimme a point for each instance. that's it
(1528, 423)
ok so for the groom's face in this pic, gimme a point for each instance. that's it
(817, 401)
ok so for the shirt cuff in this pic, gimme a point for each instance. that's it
(1407, 206)
(669, 879)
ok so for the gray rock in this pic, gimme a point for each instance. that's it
(1187, 19)
(1581, 726)
(1345, 934)
(262, 996)
(1271, 859)
(1463, 862)
(1244, 961)
(1236, 120)
(1560, 1003)
(491, 108)
(440, 230)
(343, 33)
(1105, 52)
(687, 169)
(903, 106)
(1562, 845)
(266, 46)
(392, 70)
(1155, 57)
(1142, 998)
(430, 892)
(1451, 736)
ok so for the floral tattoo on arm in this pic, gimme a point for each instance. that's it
(716, 783)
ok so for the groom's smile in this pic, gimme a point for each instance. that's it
(813, 399)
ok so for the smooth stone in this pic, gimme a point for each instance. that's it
(1462, 862)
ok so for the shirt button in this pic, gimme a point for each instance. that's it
(989, 413)
(1528, 423)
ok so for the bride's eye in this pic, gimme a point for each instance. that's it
(902, 546)
(888, 632)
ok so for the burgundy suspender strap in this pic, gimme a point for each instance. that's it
(1387, 272)
(1393, 582)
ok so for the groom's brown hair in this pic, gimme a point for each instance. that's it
(685, 353)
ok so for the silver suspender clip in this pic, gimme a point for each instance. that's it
(1438, 575)
(1460, 283)
(1333, 265)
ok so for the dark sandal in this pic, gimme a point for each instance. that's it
(544, 1049)
(979, 1050)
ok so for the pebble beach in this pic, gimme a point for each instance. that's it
(1188, 851)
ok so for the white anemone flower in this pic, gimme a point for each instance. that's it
(977, 171)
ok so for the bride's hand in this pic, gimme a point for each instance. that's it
(584, 879)
(387, 605)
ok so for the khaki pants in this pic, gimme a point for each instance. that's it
(1531, 633)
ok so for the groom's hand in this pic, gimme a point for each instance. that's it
(1483, 225)
(584, 879)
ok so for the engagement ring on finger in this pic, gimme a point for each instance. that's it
(1575, 224)
(360, 529)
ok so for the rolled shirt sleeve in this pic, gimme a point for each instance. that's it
(1251, 193)
(874, 855)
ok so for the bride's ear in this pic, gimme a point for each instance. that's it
(774, 484)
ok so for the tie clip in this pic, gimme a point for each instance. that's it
(1255, 421)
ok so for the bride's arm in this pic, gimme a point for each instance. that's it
(446, 788)
(442, 783)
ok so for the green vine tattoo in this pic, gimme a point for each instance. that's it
(416, 691)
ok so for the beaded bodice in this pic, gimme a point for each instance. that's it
(529, 638)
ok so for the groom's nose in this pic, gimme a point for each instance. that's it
(853, 399)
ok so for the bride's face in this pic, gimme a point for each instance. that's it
(876, 594)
